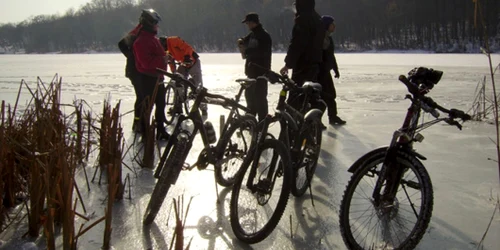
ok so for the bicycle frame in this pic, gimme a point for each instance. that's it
(287, 122)
(233, 114)
(402, 138)
(195, 116)
(213, 153)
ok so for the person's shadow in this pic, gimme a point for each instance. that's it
(158, 236)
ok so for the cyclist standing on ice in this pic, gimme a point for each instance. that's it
(190, 65)
(149, 55)
(131, 73)
(256, 48)
(324, 77)
(305, 52)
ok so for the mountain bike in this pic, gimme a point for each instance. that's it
(223, 155)
(388, 201)
(274, 166)
(177, 99)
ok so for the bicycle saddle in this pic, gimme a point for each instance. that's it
(246, 82)
(312, 86)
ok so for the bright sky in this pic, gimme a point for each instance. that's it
(18, 10)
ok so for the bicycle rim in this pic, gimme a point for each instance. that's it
(255, 214)
(236, 144)
(170, 104)
(398, 224)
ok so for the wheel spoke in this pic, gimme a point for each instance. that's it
(392, 224)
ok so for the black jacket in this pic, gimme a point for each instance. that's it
(329, 61)
(306, 46)
(258, 45)
(126, 45)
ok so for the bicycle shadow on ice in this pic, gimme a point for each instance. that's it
(315, 227)
(218, 233)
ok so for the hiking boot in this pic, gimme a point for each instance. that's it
(323, 127)
(162, 135)
(337, 121)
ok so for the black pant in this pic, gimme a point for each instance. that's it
(329, 94)
(135, 80)
(301, 76)
(256, 96)
(146, 89)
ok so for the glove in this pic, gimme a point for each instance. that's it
(337, 75)
(187, 61)
(284, 70)
(455, 113)
(169, 59)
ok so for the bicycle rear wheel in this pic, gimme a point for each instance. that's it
(235, 143)
(261, 192)
(309, 154)
(168, 177)
(397, 224)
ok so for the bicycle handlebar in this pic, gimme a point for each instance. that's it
(177, 77)
(226, 101)
(453, 113)
(274, 77)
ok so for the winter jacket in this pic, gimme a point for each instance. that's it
(329, 61)
(125, 45)
(148, 53)
(258, 50)
(306, 45)
(180, 50)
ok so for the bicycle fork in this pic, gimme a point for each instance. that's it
(264, 185)
(391, 174)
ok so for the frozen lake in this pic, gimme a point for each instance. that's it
(370, 98)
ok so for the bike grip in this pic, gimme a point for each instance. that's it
(411, 87)
(455, 113)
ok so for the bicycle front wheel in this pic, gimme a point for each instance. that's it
(308, 158)
(398, 223)
(170, 104)
(235, 143)
(168, 177)
(261, 192)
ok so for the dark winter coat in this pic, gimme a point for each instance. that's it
(306, 46)
(258, 45)
(126, 47)
(329, 61)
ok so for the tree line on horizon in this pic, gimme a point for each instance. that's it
(215, 25)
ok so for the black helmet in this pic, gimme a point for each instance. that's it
(149, 17)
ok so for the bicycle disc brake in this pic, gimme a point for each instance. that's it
(202, 162)
(263, 191)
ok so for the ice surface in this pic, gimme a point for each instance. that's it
(371, 100)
